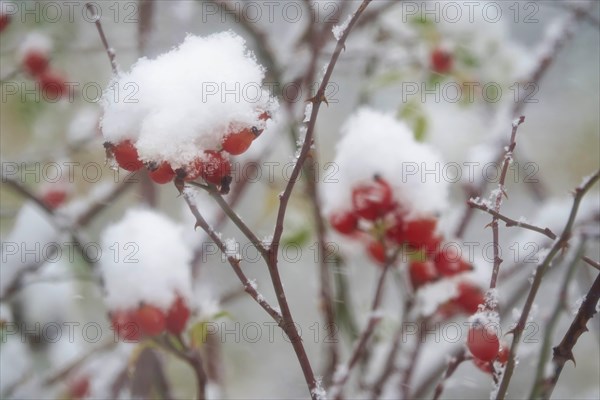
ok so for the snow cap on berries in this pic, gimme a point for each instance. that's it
(184, 101)
(145, 260)
(35, 42)
(374, 143)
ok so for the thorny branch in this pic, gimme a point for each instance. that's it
(559, 244)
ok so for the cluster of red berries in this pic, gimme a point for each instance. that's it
(213, 165)
(374, 207)
(148, 320)
(37, 65)
(484, 345)
(441, 61)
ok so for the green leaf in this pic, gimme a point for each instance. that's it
(300, 237)
(199, 331)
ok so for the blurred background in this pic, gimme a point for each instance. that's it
(57, 188)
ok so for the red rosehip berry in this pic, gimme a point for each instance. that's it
(449, 262)
(163, 173)
(79, 388)
(483, 343)
(214, 167)
(420, 234)
(150, 319)
(421, 273)
(376, 250)
(126, 156)
(469, 297)
(238, 142)
(441, 61)
(373, 199)
(53, 85)
(344, 222)
(177, 316)
(124, 324)
(35, 62)
(4, 21)
(487, 366)
(54, 198)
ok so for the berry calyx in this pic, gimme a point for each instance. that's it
(345, 222)
(150, 319)
(124, 324)
(35, 62)
(376, 250)
(483, 343)
(421, 273)
(53, 85)
(214, 167)
(163, 173)
(126, 156)
(177, 316)
(238, 142)
(373, 199)
(441, 61)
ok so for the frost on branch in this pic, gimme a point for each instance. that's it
(185, 101)
(145, 260)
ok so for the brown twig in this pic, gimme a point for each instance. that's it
(343, 373)
(591, 262)
(109, 50)
(509, 221)
(249, 287)
(552, 45)
(564, 351)
(560, 306)
(452, 366)
(559, 244)
(502, 192)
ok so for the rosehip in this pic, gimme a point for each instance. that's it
(177, 316)
(372, 200)
(80, 388)
(4, 21)
(54, 198)
(483, 343)
(377, 252)
(448, 261)
(420, 234)
(487, 366)
(162, 174)
(35, 62)
(127, 156)
(441, 61)
(150, 319)
(344, 222)
(422, 273)
(123, 323)
(238, 142)
(469, 297)
(214, 167)
(53, 85)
